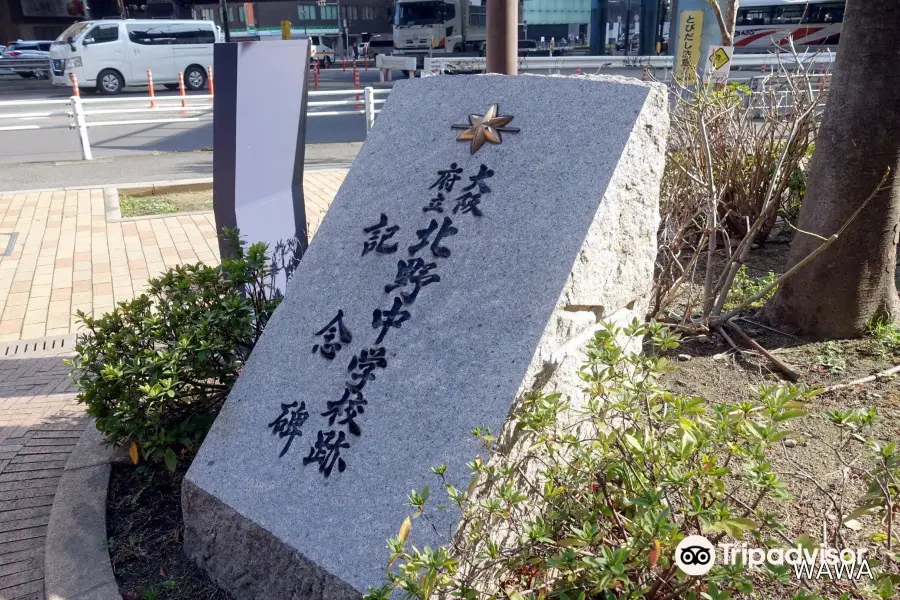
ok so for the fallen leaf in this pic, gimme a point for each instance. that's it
(133, 453)
(853, 524)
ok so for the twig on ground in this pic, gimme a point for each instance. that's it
(729, 340)
(772, 329)
(840, 386)
(782, 366)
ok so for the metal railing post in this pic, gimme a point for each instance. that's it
(81, 126)
(369, 99)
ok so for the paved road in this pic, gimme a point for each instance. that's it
(141, 168)
(129, 140)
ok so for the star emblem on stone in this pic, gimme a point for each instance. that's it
(485, 128)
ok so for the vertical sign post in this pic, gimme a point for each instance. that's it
(258, 154)
(687, 59)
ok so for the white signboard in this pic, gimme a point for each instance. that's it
(404, 63)
(718, 63)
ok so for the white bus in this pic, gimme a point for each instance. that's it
(811, 24)
(110, 54)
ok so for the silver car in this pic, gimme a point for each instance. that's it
(29, 50)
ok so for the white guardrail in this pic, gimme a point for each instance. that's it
(85, 113)
(449, 65)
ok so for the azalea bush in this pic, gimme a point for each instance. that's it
(591, 500)
(155, 371)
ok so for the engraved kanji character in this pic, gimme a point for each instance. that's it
(351, 405)
(289, 422)
(330, 348)
(327, 451)
(447, 179)
(361, 367)
(378, 235)
(392, 317)
(483, 173)
(447, 229)
(435, 204)
(468, 203)
(413, 271)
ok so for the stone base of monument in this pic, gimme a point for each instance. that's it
(486, 227)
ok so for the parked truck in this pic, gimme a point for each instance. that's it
(439, 27)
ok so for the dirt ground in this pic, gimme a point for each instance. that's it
(819, 481)
(163, 204)
(144, 536)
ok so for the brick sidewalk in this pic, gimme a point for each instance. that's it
(67, 257)
(39, 427)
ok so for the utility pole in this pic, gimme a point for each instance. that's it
(502, 36)
(225, 29)
(628, 22)
(599, 17)
(650, 27)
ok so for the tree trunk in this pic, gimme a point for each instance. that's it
(852, 282)
(726, 18)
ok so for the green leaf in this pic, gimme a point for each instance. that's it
(790, 414)
(171, 459)
(745, 524)
(734, 527)
(634, 443)
(687, 443)
(570, 543)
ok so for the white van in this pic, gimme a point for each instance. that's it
(320, 51)
(111, 54)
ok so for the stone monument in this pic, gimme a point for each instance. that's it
(488, 223)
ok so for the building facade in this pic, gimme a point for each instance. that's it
(37, 19)
(555, 19)
(46, 19)
(356, 20)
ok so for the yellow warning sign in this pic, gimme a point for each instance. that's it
(719, 58)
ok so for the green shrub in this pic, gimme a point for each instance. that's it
(594, 499)
(155, 371)
(745, 287)
(886, 336)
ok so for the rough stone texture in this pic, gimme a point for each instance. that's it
(567, 238)
(76, 563)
